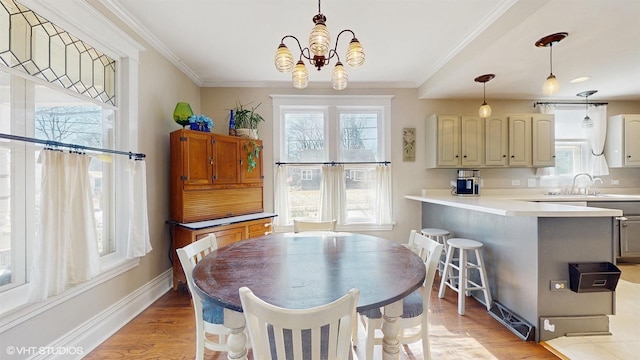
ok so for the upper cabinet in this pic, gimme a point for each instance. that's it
(622, 148)
(496, 129)
(543, 140)
(466, 141)
(454, 141)
(211, 177)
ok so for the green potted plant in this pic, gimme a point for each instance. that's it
(253, 153)
(246, 120)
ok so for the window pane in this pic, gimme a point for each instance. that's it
(359, 137)
(64, 118)
(303, 184)
(361, 193)
(304, 138)
(5, 182)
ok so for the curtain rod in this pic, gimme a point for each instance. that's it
(138, 156)
(334, 163)
(568, 103)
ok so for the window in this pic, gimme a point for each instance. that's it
(573, 152)
(330, 151)
(61, 89)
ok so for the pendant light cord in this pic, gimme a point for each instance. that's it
(551, 58)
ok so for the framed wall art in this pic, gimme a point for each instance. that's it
(409, 144)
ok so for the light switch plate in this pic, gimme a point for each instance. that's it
(515, 182)
(531, 182)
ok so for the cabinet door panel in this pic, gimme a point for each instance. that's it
(543, 129)
(448, 140)
(471, 141)
(226, 164)
(631, 143)
(496, 140)
(256, 174)
(520, 140)
(196, 159)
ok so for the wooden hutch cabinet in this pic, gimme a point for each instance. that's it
(213, 190)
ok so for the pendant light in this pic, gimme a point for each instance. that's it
(587, 122)
(485, 109)
(551, 85)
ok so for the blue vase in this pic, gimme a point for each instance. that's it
(232, 124)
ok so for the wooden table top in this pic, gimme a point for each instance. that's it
(305, 270)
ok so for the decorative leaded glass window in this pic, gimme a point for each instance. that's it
(31, 44)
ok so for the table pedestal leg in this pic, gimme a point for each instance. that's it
(237, 340)
(391, 329)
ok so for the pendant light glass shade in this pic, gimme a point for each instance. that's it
(319, 40)
(340, 77)
(551, 86)
(284, 59)
(485, 110)
(300, 76)
(355, 54)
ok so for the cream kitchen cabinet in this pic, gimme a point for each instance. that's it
(454, 141)
(622, 148)
(520, 140)
(531, 140)
(496, 129)
(543, 140)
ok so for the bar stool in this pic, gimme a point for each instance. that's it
(440, 236)
(462, 283)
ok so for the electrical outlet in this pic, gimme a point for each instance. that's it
(557, 285)
(453, 183)
(531, 182)
(615, 182)
(515, 182)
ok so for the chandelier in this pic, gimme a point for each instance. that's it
(319, 54)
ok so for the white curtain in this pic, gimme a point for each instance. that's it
(597, 136)
(138, 242)
(281, 196)
(545, 109)
(66, 251)
(383, 191)
(332, 193)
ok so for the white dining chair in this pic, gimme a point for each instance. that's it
(322, 332)
(209, 316)
(301, 225)
(414, 324)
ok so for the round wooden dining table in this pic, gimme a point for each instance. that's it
(303, 270)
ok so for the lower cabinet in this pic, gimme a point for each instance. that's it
(225, 235)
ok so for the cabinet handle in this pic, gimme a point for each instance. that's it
(464, 156)
(504, 156)
(513, 156)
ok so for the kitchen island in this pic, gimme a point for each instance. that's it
(527, 245)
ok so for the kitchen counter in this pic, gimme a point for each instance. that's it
(528, 243)
(526, 205)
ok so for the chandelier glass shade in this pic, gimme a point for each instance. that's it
(319, 53)
(551, 85)
(485, 109)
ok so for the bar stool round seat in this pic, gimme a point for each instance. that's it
(456, 274)
(440, 236)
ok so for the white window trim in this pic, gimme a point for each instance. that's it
(341, 101)
(84, 22)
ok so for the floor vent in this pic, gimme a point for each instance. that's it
(513, 322)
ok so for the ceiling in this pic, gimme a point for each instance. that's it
(435, 46)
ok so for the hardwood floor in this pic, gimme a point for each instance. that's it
(165, 330)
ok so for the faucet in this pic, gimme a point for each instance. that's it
(573, 184)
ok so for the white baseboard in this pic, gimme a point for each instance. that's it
(95, 331)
